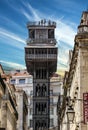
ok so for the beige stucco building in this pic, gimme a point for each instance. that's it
(8, 112)
(17, 78)
(76, 81)
(23, 82)
(22, 108)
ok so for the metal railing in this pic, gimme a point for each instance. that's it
(55, 83)
(43, 22)
(53, 103)
(41, 56)
(43, 41)
(56, 94)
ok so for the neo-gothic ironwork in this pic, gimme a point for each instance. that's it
(41, 62)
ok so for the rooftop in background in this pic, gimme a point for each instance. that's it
(43, 22)
(56, 77)
(19, 73)
(25, 73)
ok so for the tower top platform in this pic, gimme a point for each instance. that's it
(42, 23)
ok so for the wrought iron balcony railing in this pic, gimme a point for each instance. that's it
(54, 94)
(41, 56)
(43, 41)
(53, 103)
(43, 22)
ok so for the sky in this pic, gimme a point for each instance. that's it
(14, 15)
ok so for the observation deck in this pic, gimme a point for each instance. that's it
(42, 23)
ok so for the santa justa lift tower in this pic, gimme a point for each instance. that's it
(41, 62)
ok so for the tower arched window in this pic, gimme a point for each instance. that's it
(38, 90)
(44, 90)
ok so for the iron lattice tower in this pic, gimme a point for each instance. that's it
(41, 62)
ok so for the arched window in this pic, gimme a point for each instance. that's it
(37, 90)
(44, 90)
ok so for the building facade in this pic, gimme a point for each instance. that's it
(41, 62)
(23, 81)
(77, 80)
(8, 112)
(56, 83)
(22, 108)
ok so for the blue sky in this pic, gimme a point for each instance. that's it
(14, 15)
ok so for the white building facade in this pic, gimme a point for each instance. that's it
(55, 91)
(22, 80)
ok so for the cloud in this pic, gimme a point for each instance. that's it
(26, 14)
(26, 9)
(6, 33)
(62, 67)
(65, 33)
(32, 10)
(11, 24)
(62, 60)
(12, 64)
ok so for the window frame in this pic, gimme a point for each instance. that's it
(31, 123)
(21, 81)
(11, 81)
(51, 122)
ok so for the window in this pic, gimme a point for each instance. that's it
(31, 111)
(31, 93)
(51, 122)
(31, 123)
(31, 101)
(21, 81)
(30, 80)
(51, 111)
(32, 33)
(51, 33)
(51, 92)
(13, 81)
(51, 100)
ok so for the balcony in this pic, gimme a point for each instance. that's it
(41, 56)
(83, 29)
(40, 115)
(54, 94)
(55, 83)
(53, 103)
(42, 41)
(42, 23)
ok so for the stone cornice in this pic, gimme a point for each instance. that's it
(73, 64)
